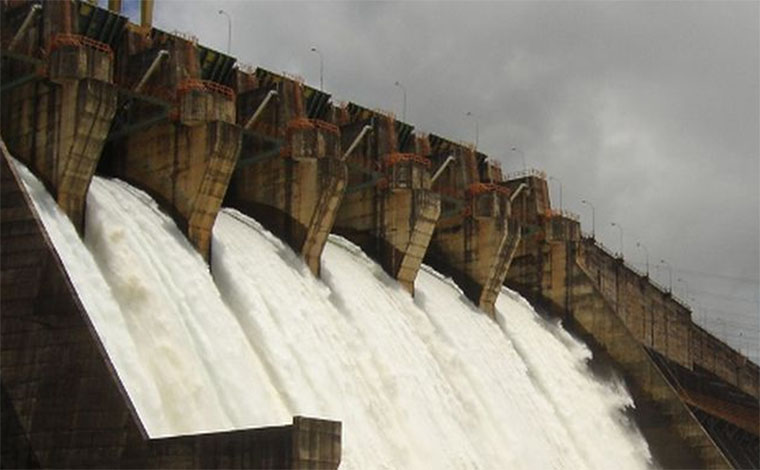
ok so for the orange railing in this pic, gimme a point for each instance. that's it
(204, 85)
(79, 41)
(304, 123)
(480, 188)
(395, 158)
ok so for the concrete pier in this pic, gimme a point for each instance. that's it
(290, 176)
(473, 240)
(389, 209)
(57, 107)
(176, 136)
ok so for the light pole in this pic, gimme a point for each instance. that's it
(685, 288)
(560, 191)
(229, 29)
(403, 88)
(476, 128)
(646, 252)
(670, 275)
(593, 218)
(522, 156)
(621, 236)
(321, 69)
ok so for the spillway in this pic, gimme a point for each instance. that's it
(423, 382)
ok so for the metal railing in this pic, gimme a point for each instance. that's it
(204, 85)
(77, 40)
(396, 158)
(526, 173)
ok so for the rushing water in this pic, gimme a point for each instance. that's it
(423, 382)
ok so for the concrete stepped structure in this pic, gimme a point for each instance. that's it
(290, 176)
(701, 389)
(473, 240)
(389, 209)
(64, 406)
(57, 105)
(175, 134)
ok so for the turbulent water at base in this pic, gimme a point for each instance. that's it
(423, 382)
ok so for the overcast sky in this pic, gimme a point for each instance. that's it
(648, 110)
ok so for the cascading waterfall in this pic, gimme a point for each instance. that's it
(423, 382)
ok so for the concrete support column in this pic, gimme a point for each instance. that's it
(417, 225)
(186, 169)
(58, 124)
(290, 176)
(186, 160)
(476, 252)
(389, 210)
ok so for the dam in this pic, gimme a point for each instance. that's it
(211, 266)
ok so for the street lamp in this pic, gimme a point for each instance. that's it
(593, 218)
(560, 191)
(670, 275)
(685, 288)
(403, 88)
(621, 236)
(321, 69)
(229, 29)
(646, 252)
(522, 155)
(476, 128)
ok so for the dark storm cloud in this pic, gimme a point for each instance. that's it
(649, 110)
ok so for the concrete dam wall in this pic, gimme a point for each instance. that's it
(85, 91)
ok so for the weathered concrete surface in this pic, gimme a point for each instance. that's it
(389, 209)
(472, 241)
(57, 122)
(580, 280)
(594, 315)
(186, 168)
(186, 160)
(290, 176)
(63, 405)
(662, 323)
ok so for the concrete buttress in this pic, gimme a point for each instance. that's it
(290, 176)
(389, 209)
(474, 241)
(186, 156)
(57, 106)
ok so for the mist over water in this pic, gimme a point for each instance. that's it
(423, 382)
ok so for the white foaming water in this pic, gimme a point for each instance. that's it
(429, 382)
